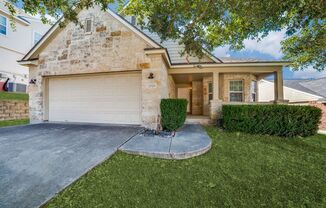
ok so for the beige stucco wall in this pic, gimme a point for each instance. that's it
(110, 47)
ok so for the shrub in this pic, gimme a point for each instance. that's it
(173, 113)
(279, 120)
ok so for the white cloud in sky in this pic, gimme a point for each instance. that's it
(270, 45)
(222, 51)
(309, 72)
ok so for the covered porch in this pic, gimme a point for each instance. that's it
(207, 89)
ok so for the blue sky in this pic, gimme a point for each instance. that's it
(269, 48)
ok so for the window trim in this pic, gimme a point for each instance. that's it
(232, 91)
(208, 92)
(253, 91)
(5, 25)
(91, 29)
(34, 43)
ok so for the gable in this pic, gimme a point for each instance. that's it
(55, 29)
(109, 46)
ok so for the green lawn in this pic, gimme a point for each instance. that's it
(240, 170)
(14, 122)
(13, 96)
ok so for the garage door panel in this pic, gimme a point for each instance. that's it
(99, 99)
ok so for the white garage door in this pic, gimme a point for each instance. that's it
(106, 98)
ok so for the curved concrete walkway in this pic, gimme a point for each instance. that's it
(192, 140)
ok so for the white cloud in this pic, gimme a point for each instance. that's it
(270, 45)
(308, 73)
(222, 51)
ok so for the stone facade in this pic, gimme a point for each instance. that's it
(109, 47)
(13, 110)
(224, 85)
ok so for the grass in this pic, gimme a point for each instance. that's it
(13, 96)
(240, 170)
(14, 122)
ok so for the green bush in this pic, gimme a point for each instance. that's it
(173, 113)
(279, 120)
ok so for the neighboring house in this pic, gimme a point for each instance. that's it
(294, 90)
(110, 71)
(14, 44)
(299, 92)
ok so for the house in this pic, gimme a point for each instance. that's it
(14, 44)
(299, 92)
(110, 71)
(294, 90)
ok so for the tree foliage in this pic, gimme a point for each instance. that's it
(213, 23)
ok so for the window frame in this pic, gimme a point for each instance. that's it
(6, 26)
(233, 91)
(91, 26)
(253, 91)
(210, 92)
(34, 32)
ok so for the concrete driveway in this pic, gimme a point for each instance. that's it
(38, 161)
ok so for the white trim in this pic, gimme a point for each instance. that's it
(230, 64)
(28, 63)
(307, 93)
(242, 91)
(16, 18)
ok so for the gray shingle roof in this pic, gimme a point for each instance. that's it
(315, 86)
(318, 86)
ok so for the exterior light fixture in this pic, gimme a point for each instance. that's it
(32, 81)
(151, 76)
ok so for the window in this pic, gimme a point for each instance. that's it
(253, 90)
(3, 25)
(88, 26)
(133, 20)
(210, 91)
(37, 37)
(236, 91)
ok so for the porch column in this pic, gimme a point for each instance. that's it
(278, 86)
(215, 104)
(216, 86)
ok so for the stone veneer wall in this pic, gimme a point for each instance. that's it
(225, 80)
(110, 47)
(13, 110)
(172, 88)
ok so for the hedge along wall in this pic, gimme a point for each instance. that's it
(279, 120)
